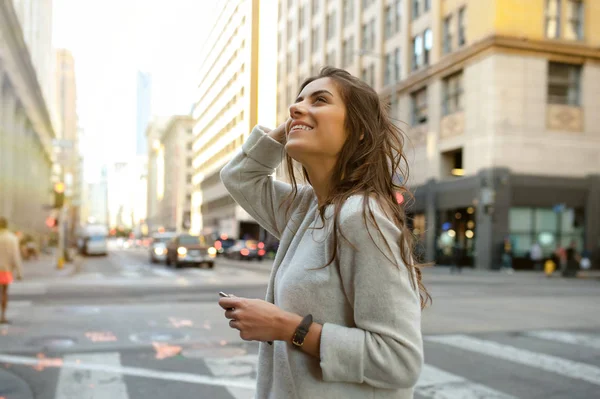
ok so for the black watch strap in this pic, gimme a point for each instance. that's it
(301, 331)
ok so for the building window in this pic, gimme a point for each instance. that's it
(315, 39)
(290, 28)
(426, 5)
(417, 45)
(415, 9)
(564, 84)
(389, 69)
(453, 94)
(348, 51)
(288, 63)
(279, 13)
(331, 25)
(574, 28)
(462, 37)
(372, 33)
(397, 64)
(372, 75)
(365, 37)
(301, 18)
(448, 34)
(301, 55)
(290, 4)
(330, 60)
(552, 19)
(290, 95)
(315, 6)
(398, 15)
(419, 106)
(348, 11)
(428, 43)
(389, 22)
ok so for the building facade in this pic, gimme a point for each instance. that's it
(175, 205)
(236, 91)
(26, 128)
(68, 134)
(496, 98)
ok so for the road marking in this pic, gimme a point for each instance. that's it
(133, 371)
(241, 368)
(28, 289)
(91, 384)
(439, 384)
(164, 273)
(130, 274)
(20, 304)
(564, 367)
(588, 340)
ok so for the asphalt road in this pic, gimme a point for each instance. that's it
(125, 329)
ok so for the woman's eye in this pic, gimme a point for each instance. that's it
(322, 99)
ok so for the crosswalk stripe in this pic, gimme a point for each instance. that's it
(131, 371)
(588, 340)
(99, 384)
(564, 367)
(439, 384)
(239, 367)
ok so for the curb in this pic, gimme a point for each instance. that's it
(13, 386)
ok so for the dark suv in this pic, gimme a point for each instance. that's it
(191, 250)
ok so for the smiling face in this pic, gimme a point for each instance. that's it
(316, 129)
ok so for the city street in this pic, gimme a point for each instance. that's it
(124, 328)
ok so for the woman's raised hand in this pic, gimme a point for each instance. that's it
(280, 132)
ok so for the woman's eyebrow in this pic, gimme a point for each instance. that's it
(316, 93)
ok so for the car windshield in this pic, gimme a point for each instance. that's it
(192, 240)
(162, 239)
(97, 238)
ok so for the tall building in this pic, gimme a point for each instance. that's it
(236, 91)
(144, 111)
(155, 174)
(68, 132)
(497, 100)
(175, 205)
(26, 127)
(97, 200)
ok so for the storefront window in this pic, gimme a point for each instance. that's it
(550, 227)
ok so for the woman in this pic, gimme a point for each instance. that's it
(343, 308)
(10, 260)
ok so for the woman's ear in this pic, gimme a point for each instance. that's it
(362, 136)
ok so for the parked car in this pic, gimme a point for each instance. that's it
(158, 247)
(223, 244)
(191, 250)
(246, 250)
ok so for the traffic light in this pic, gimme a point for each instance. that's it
(59, 195)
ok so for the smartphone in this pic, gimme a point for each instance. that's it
(224, 295)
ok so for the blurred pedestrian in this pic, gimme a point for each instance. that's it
(536, 256)
(457, 253)
(507, 256)
(345, 305)
(10, 262)
(572, 261)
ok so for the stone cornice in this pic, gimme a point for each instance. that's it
(455, 61)
(23, 76)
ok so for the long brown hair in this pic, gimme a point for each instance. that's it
(369, 163)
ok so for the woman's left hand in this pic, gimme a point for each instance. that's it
(257, 320)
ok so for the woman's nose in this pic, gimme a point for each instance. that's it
(297, 109)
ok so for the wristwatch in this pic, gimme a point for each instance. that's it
(301, 331)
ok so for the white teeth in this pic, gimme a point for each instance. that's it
(302, 127)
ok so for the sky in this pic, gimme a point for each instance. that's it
(111, 40)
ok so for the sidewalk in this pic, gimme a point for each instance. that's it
(267, 264)
(44, 268)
